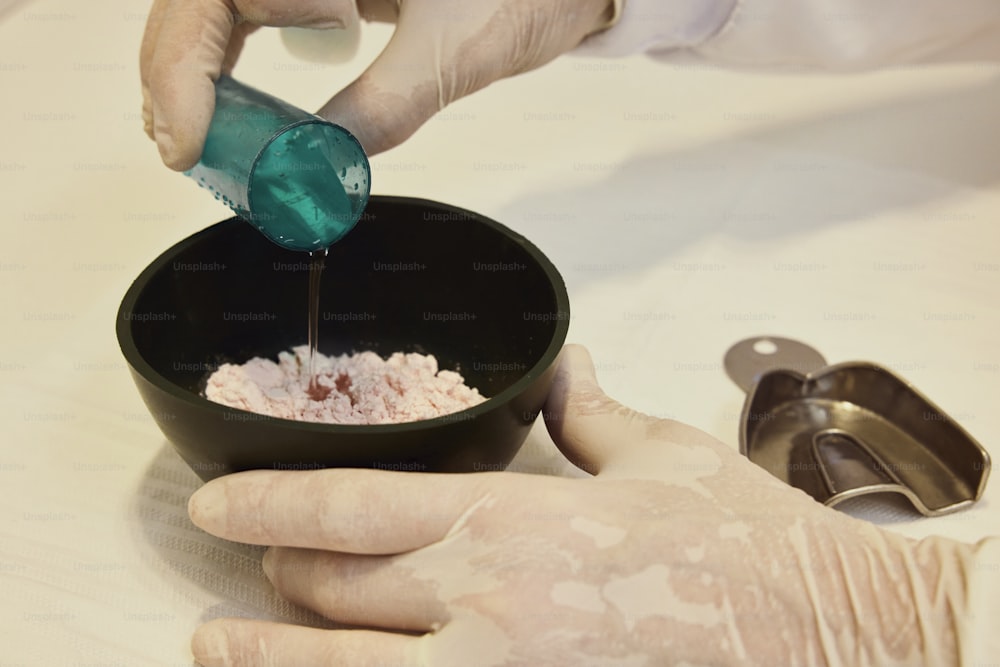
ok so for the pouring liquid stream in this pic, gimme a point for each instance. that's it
(317, 260)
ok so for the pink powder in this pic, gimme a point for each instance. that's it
(363, 388)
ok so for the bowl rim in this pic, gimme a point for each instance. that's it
(140, 366)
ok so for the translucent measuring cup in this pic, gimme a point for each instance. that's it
(298, 178)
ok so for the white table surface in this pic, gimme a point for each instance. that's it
(687, 208)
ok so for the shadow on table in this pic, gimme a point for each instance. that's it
(197, 565)
(769, 183)
(204, 568)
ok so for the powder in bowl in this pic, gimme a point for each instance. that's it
(363, 388)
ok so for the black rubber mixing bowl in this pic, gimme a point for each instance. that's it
(413, 276)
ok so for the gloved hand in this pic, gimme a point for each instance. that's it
(441, 50)
(677, 551)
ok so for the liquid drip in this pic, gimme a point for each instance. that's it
(317, 259)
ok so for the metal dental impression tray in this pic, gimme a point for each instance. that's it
(849, 429)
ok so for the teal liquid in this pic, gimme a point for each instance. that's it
(298, 198)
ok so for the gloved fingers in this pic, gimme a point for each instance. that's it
(184, 48)
(367, 591)
(348, 510)
(188, 43)
(588, 426)
(146, 50)
(232, 642)
(599, 434)
(394, 96)
(438, 53)
(236, 42)
(298, 13)
(384, 11)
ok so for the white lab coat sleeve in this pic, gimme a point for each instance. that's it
(804, 34)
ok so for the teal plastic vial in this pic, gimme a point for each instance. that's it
(298, 178)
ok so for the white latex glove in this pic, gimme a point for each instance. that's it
(678, 552)
(441, 50)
